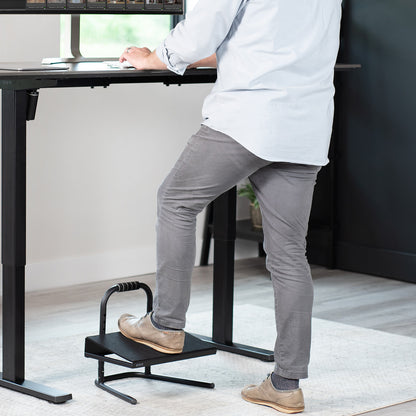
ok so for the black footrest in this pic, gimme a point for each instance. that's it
(103, 347)
(138, 355)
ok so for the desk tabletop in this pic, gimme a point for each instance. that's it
(90, 74)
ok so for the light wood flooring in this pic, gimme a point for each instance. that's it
(350, 298)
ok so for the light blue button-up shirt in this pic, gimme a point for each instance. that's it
(274, 91)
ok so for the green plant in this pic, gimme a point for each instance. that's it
(248, 191)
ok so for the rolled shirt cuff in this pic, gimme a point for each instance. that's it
(171, 60)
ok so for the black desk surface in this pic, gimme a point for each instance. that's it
(100, 74)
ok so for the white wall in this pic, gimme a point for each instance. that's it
(95, 160)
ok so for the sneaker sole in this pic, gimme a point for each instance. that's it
(275, 406)
(150, 344)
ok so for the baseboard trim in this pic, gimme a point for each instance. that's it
(135, 261)
(379, 262)
(87, 269)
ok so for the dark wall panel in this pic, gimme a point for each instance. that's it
(376, 182)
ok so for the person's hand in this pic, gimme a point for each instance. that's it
(136, 56)
(142, 58)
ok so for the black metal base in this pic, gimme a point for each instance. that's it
(147, 375)
(36, 390)
(240, 349)
(138, 355)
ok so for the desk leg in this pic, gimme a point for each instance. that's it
(14, 111)
(223, 297)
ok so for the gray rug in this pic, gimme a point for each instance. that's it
(352, 370)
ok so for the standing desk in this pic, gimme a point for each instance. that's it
(19, 97)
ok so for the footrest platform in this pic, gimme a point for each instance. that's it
(137, 355)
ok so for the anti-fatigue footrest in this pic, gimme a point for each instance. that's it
(116, 349)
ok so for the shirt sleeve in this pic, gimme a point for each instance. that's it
(200, 34)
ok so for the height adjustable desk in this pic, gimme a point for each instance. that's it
(19, 97)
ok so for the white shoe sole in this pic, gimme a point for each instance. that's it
(283, 409)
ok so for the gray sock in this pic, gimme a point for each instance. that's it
(282, 383)
(161, 327)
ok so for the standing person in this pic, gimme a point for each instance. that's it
(269, 118)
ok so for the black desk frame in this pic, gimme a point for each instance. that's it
(17, 95)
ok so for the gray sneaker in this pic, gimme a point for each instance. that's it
(143, 331)
(286, 401)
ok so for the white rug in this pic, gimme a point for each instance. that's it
(352, 370)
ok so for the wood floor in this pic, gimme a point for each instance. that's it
(350, 298)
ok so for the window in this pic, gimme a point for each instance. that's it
(109, 35)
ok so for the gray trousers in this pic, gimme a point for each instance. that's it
(212, 163)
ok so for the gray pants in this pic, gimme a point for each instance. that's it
(212, 163)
